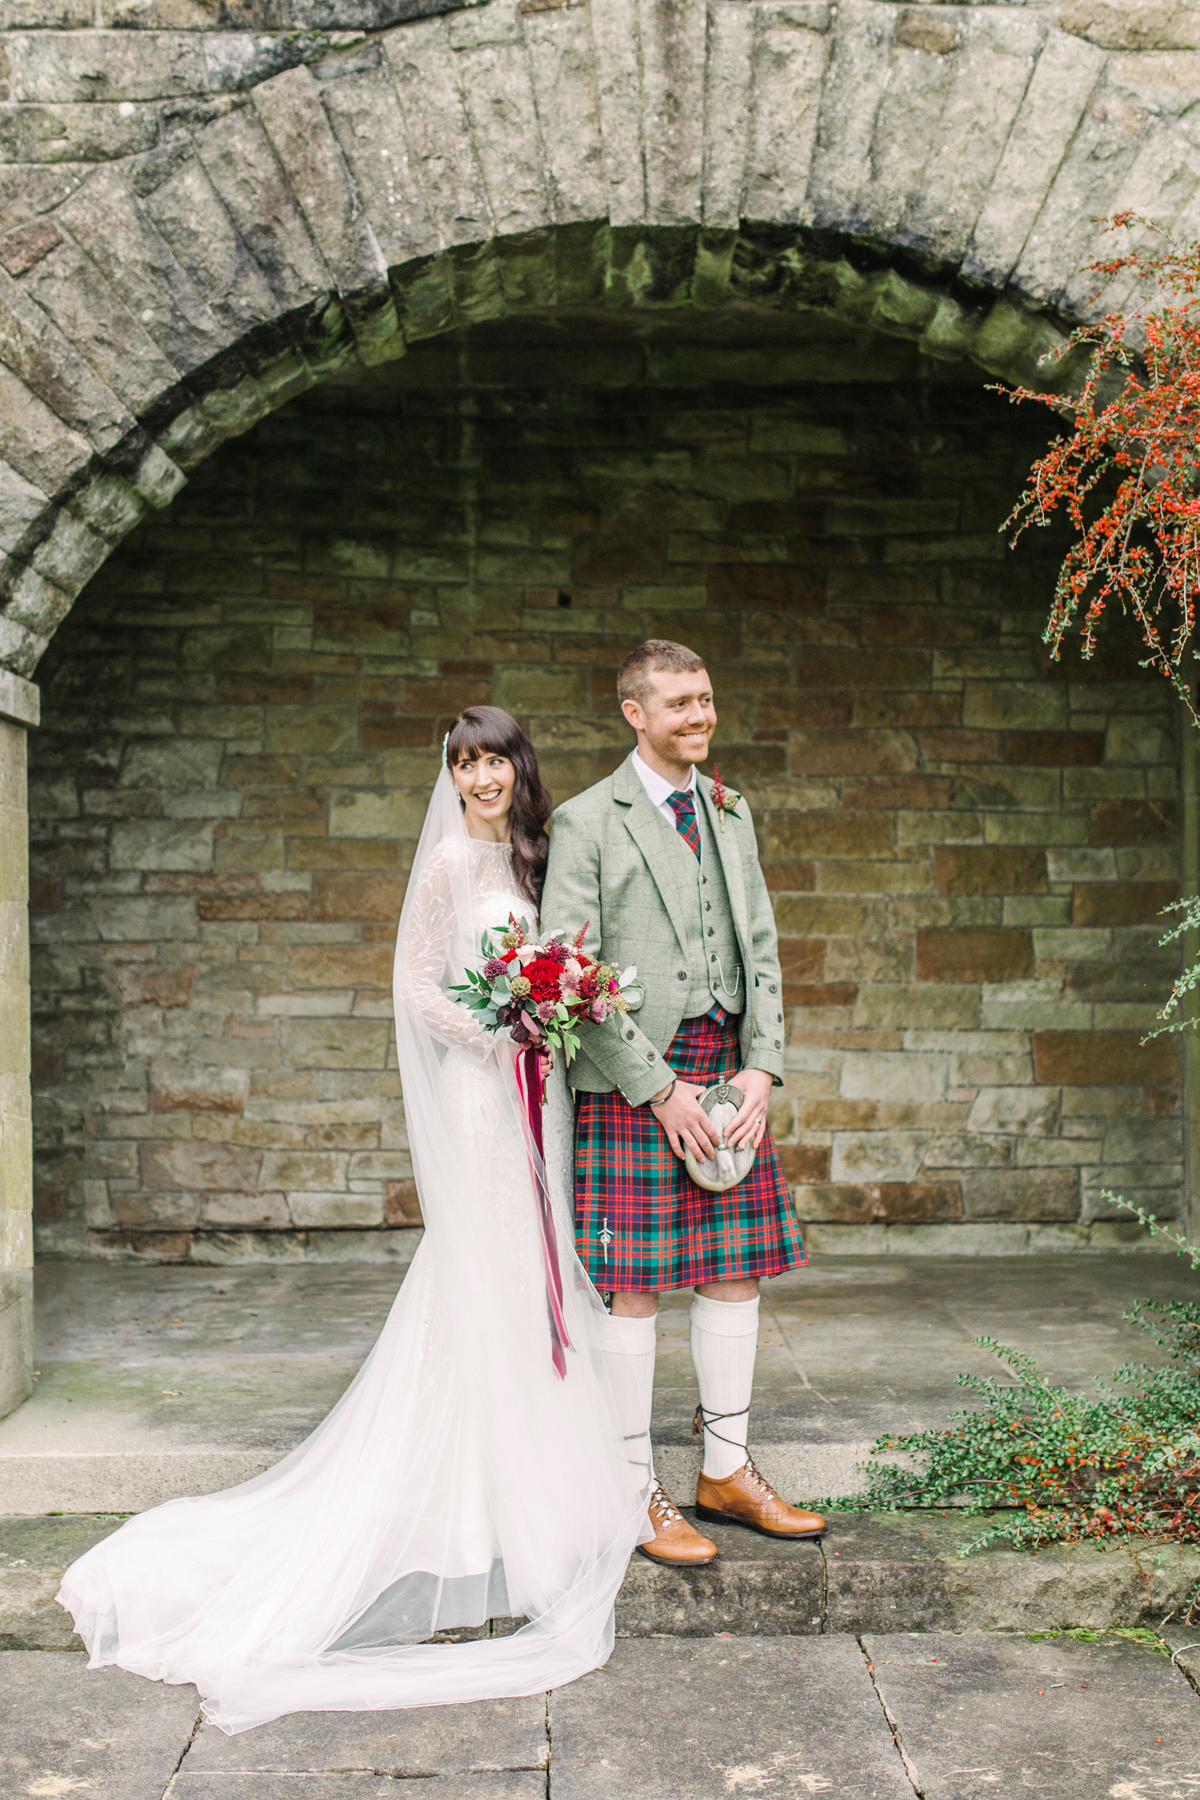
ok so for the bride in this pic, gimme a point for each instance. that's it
(461, 1477)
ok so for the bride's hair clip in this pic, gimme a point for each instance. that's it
(445, 751)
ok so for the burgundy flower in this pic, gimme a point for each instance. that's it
(494, 968)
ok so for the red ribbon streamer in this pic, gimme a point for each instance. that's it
(529, 1086)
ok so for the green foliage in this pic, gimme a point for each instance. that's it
(1189, 980)
(1119, 1465)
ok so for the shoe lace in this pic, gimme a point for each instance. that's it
(757, 1479)
(661, 1507)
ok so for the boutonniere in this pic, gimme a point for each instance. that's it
(722, 799)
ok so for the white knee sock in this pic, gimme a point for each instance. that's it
(724, 1341)
(630, 1360)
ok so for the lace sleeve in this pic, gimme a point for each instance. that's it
(421, 968)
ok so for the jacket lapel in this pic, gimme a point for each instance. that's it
(649, 831)
(731, 864)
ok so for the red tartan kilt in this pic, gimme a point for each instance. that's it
(641, 1223)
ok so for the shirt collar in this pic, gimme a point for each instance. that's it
(656, 788)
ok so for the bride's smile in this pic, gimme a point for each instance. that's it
(485, 781)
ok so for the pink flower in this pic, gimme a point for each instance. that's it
(598, 1011)
(545, 1011)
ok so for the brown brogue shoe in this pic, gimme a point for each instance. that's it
(745, 1498)
(675, 1543)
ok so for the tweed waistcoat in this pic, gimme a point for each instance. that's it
(712, 949)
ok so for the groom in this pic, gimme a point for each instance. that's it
(670, 880)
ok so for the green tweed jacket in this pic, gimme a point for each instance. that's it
(607, 867)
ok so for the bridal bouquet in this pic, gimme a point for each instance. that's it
(556, 983)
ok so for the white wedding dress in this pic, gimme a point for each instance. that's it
(459, 1478)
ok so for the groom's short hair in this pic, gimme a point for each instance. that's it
(657, 656)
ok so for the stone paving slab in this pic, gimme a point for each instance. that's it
(102, 1735)
(490, 1736)
(159, 1381)
(689, 1720)
(506, 1785)
(980, 1716)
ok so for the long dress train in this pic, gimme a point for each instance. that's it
(459, 1477)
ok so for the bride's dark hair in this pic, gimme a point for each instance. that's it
(490, 730)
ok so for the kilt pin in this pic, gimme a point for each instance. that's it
(642, 1224)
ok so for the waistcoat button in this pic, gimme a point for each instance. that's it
(629, 1035)
(711, 932)
(773, 989)
(778, 1045)
(683, 974)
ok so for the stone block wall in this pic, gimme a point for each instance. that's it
(968, 847)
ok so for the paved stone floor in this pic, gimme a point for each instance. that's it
(784, 1671)
(938, 1715)
(155, 1382)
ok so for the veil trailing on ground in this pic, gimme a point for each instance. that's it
(460, 1478)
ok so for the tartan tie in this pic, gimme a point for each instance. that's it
(684, 808)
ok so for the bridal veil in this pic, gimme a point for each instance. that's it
(459, 1478)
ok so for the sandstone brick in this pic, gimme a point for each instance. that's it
(175, 1088)
(893, 791)
(988, 869)
(1014, 705)
(334, 1210)
(789, 878)
(154, 986)
(804, 1162)
(341, 965)
(1104, 1059)
(1022, 1111)
(254, 906)
(311, 729)
(368, 895)
(801, 959)
(1122, 903)
(335, 1043)
(819, 993)
(758, 588)
(974, 954)
(870, 1156)
(866, 669)
(851, 752)
(905, 1005)
(244, 1212)
(841, 833)
(1128, 822)
(779, 710)
(401, 1202)
(1054, 749)
(925, 625)
(1027, 1194)
(816, 915)
(190, 1165)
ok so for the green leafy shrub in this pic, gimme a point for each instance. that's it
(1122, 1464)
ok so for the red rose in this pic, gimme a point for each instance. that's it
(544, 977)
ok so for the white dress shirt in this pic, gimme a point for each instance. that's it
(658, 789)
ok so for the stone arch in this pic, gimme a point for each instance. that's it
(933, 173)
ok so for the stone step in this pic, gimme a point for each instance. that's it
(95, 1480)
(873, 1573)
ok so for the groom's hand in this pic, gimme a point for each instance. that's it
(748, 1127)
(687, 1125)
